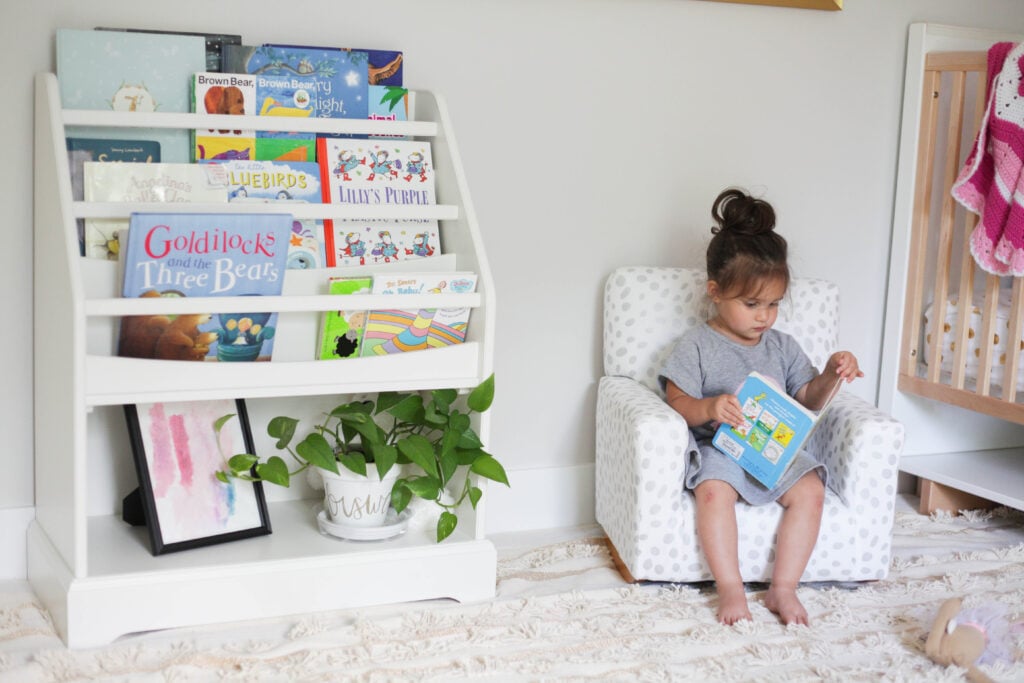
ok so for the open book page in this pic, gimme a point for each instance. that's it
(775, 427)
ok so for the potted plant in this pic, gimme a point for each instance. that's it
(430, 432)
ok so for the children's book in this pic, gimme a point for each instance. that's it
(372, 172)
(341, 75)
(215, 43)
(127, 71)
(371, 242)
(341, 332)
(389, 103)
(81, 150)
(290, 95)
(227, 94)
(176, 255)
(160, 182)
(775, 428)
(384, 67)
(278, 182)
(285, 149)
(399, 331)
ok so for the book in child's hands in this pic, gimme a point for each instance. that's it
(775, 427)
(342, 331)
(180, 255)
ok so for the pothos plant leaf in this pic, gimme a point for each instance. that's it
(419, 451)
(446, 525)
(487, 466)
(482, 396)
(274, 470)
(283, 429)
(315, 450)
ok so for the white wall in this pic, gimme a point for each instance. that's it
(595, 133)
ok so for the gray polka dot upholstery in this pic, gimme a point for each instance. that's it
(641, 442)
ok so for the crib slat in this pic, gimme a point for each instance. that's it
(986, 339)
(1013, 342)
(944, 252)
(917, 255)
(965, 296)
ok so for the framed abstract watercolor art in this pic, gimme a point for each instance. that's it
(177, 455)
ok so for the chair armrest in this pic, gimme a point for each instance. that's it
(640, 459)
(861, 446)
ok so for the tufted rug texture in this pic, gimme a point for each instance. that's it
(562, 613)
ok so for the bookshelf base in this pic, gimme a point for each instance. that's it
(299, 571)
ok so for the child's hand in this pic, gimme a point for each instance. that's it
(844, 364)
(726, 408)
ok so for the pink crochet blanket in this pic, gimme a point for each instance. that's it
(991, 183)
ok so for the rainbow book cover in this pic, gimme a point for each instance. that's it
(399, 331)
(180, 255)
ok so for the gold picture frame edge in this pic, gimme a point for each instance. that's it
(829, 5)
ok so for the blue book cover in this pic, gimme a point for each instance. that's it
(176, 255)
(384, 67)
(341, 75)
(774, 428)
(291, 95)
(126, 71)
(280, 182)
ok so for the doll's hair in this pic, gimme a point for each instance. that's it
(745, 251)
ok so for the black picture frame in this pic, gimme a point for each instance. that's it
(177, 455)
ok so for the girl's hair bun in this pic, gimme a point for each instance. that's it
(735, 210)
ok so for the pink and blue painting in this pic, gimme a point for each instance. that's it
(177, 456)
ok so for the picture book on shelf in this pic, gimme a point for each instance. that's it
(180, 255)
(227, 94)
(278, 182)
(291, 95)
(384, 67)
(81, 150)
(341, 332)
(774, 429)
(215, 43)
(360, 243)
(399, 331)
(158, 182)
(340, 75)
(126, 72)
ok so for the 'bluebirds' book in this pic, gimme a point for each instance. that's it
(178, 255)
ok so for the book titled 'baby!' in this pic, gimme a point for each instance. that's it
(180, 255)
(775, 427)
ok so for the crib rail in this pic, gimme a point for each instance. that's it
(955, 361)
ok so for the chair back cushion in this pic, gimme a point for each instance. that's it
(647, 309)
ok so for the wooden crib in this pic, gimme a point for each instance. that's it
(950, 351)
(953, 332)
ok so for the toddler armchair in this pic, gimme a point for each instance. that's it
(641, 443)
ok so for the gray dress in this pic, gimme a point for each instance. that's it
(705, 363)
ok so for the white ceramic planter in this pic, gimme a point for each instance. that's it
(353, 500)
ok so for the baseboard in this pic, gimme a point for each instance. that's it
(13, 525)
(541, 498)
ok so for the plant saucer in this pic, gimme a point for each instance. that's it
(394, 524)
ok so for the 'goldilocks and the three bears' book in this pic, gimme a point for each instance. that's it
(180, 254)
(124, 71)
(341, 332)
(398, 331)
(775, 427)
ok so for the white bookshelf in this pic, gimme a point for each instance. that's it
(93, 571)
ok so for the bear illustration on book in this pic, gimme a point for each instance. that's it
(165, 338)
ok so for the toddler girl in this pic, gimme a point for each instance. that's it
(747, 279)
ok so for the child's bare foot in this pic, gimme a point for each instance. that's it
(732, 604)
(783, 601)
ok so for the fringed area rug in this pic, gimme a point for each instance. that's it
(563, 614)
